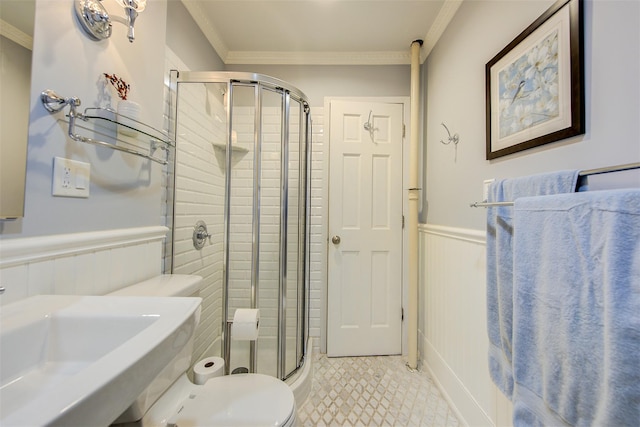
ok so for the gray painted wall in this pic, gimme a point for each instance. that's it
(186, 40)
(456, 96)
(320, 81)
(125, 191)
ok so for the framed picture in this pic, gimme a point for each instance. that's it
(535, 85)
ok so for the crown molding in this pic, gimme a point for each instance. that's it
(207, 28)
(14, 34)
(448, 10)
(318, 58)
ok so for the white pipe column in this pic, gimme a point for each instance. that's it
(413, 196)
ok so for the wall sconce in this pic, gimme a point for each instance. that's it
(95, 20)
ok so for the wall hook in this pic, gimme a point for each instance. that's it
(368, 126)
(455, 138)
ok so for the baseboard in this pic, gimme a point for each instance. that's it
(468, 411)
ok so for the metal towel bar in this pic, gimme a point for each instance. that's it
(588, 172)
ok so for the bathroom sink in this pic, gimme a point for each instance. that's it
(82, 360)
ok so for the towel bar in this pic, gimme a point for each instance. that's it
(588, 172)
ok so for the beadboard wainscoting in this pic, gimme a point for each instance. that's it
(453, 328)
(91, 263)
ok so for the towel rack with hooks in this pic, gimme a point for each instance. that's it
(588, 172)
(152, 138)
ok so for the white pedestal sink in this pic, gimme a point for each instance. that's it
(78, 360)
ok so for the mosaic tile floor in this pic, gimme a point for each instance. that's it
(372, 391)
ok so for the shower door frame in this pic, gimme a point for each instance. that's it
(258, 82)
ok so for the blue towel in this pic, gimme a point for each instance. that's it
(576, 317)
(500, 264)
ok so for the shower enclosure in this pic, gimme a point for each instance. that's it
(241, 172)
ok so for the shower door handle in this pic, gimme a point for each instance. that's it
(335, 240)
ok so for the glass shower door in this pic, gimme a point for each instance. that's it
(270, 228)
(241, 165)
(198, 195)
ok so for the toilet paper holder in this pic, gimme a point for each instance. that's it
(227, 349)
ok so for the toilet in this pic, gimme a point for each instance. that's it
(172, 400)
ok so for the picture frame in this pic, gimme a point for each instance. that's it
(535, 85)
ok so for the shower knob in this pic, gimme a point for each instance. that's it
(200, 235)
(335, 240)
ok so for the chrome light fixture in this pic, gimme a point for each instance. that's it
(96, 22)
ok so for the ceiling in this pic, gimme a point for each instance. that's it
(325, 32)
(301, 32)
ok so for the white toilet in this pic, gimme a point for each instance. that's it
(231, 400)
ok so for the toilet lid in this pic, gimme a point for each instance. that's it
(237, 400)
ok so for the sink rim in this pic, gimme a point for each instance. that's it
(174, 317)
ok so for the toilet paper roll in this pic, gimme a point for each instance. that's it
(207, 368)
(245, 324)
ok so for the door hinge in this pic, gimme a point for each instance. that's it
(403, 222)
(402, 315)
(404, 130)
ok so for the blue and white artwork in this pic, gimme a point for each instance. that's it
(529, 88)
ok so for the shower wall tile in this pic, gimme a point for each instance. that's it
(318, 232)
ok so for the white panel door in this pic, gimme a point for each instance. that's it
(365, 229)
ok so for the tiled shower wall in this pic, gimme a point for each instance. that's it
(318, 233)
(199, 195)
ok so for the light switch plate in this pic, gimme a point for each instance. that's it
(70, 178)
(485, 188)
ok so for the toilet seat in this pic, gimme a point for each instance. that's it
(231, 400)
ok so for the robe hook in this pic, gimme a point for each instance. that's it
(455, 138)
(368, 126)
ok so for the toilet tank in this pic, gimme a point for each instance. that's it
(167, 285)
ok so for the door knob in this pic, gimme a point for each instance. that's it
(335, 240)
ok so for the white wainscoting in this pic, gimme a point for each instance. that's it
(453, 336)
(92, 263)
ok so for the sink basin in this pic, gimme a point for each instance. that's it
(82, 360)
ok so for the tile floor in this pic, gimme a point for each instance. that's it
(372, 391)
